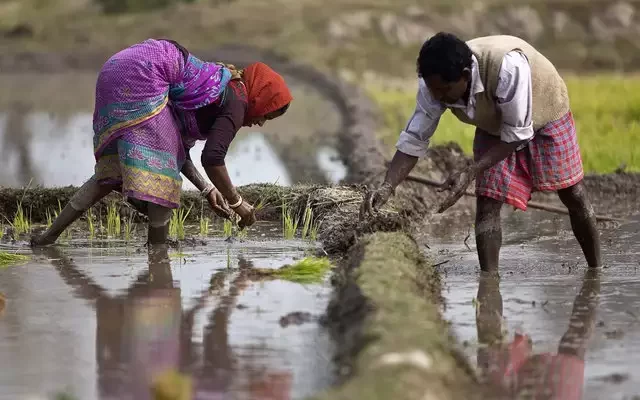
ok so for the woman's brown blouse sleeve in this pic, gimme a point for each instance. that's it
(228, 120)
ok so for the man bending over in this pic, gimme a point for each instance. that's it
(525, 136)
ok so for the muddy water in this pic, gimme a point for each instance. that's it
(544, 293)
(99, 321)
(46, 136)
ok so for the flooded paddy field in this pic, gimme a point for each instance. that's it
(586, 326)
(98, 320)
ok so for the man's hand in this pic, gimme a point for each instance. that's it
(375, 199)
(457, 183)
(219, 204)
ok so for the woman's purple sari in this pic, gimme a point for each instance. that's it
(137, 135)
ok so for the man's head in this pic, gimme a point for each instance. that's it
(445, 65)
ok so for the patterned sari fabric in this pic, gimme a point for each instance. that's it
(137, 136)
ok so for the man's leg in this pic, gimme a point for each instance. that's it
(488, 233)
(89, 193)
(159, 217)
(583, 222)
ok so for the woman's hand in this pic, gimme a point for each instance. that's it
(218, 204)
(247, 214)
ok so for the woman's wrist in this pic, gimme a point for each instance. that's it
(237, 203)
(234, 198)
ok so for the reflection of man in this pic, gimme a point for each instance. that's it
(514, 369)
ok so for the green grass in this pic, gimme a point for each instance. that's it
(7, 259)
(606, 108)
(307, 270)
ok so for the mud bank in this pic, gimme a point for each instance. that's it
(385, 310)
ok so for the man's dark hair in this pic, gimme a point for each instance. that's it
(444, 54)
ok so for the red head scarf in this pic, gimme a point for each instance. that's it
(266, 90)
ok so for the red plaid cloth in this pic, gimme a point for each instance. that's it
(522, 374)
(549, 162)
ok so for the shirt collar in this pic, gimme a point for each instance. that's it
(476, 86)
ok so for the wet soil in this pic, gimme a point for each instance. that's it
(111, 318)
(545, 292)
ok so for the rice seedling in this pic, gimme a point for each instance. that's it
(176, 223)
(21, 223)
(204, 226)
(227, 228)
(242, 233)
(49, 218)
(308, 223)
(113, 220)
(313, 232)
(92, 228)
(308, 270)
(204, 223)
(128, 228)
(7, 259)
(289, 222)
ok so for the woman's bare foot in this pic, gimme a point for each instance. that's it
(42, 240)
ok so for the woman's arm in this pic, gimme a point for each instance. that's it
(190, 171)
(220, 176)
(228, 121)
(224, 129)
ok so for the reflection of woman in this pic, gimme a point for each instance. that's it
(513, 368)
(154, 100)
(139, 334)
(145, 333)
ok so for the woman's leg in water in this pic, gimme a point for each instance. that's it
(89, 193)
(159, 217)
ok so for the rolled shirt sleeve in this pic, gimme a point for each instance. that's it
(414, 139)
(514, 98)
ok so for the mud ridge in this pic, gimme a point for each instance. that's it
(394, 343)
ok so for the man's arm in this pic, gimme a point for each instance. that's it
(414, 140)
(515, 104)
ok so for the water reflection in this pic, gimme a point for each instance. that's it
(56, 150)
(514, 368)
(144, 333)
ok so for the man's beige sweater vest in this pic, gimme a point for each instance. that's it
(549, 92)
